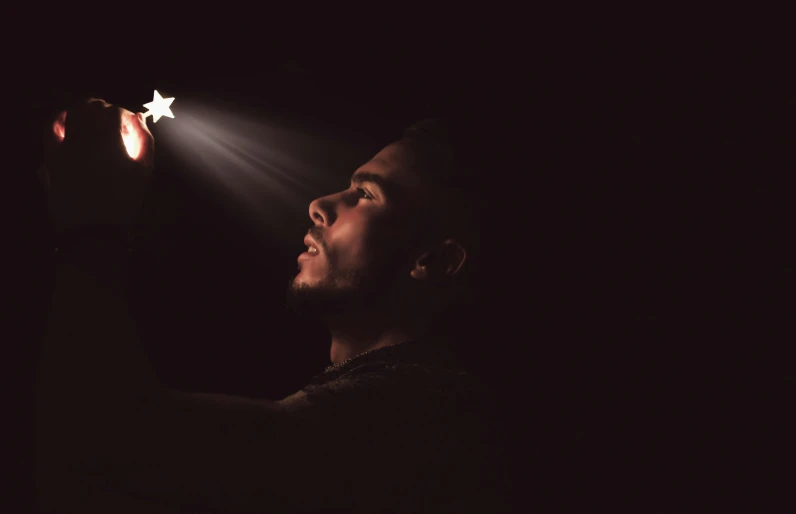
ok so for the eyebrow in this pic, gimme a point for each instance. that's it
(388, 187)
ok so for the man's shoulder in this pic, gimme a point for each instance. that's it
(408, 380)
(416, 369)
(399, 413)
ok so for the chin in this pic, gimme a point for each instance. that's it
(301, 281)
(310, 300)
(310, 287)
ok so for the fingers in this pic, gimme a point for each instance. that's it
(137, 139)
(148, 141)
(140, 124)
(94, 121)
(97, 102)
(59, 127)
(105, 129)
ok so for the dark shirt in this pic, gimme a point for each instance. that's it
(418, 433)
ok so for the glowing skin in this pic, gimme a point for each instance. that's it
(131, 136)
(367, 251)
(358, 229)
(59, 126)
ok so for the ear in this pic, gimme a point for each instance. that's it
(448, 260)
(453, 256)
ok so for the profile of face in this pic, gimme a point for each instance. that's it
(363, 244)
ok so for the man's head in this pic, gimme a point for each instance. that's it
(399, 239)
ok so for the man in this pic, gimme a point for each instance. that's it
(393, 425)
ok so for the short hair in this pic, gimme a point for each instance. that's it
(452, 156)
(451, 160)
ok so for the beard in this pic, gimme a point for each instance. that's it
(312, 301)
(343, 292)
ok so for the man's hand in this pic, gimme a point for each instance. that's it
(100, 170)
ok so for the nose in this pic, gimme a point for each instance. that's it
(322, 210)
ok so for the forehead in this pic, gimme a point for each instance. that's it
(395, 163)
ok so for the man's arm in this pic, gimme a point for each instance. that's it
(102, 419)
(101, 413)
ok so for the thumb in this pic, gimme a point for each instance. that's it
(137, 138)
(147, 139)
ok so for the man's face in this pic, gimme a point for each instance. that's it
(361, 241)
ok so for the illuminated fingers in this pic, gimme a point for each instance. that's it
(59, 126)
(131, 135)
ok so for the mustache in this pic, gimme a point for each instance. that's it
(316, 233)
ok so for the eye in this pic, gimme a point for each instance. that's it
(364, 194)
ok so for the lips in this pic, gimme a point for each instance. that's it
(312, 247)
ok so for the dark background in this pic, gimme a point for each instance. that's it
(640, 328)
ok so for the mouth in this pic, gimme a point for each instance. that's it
(312, 248)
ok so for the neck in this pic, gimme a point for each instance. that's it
(352, 339)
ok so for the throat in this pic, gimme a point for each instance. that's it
(344, 348)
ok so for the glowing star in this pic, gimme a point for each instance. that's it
(158, 107)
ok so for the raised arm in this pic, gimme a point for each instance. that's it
(105, 427)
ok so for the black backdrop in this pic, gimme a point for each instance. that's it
(640, 335)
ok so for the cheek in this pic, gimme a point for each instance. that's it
(352, 244)
(365, 240)
(376, 245)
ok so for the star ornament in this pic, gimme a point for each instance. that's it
(158, 107)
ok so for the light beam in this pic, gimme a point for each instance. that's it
(266, 171)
